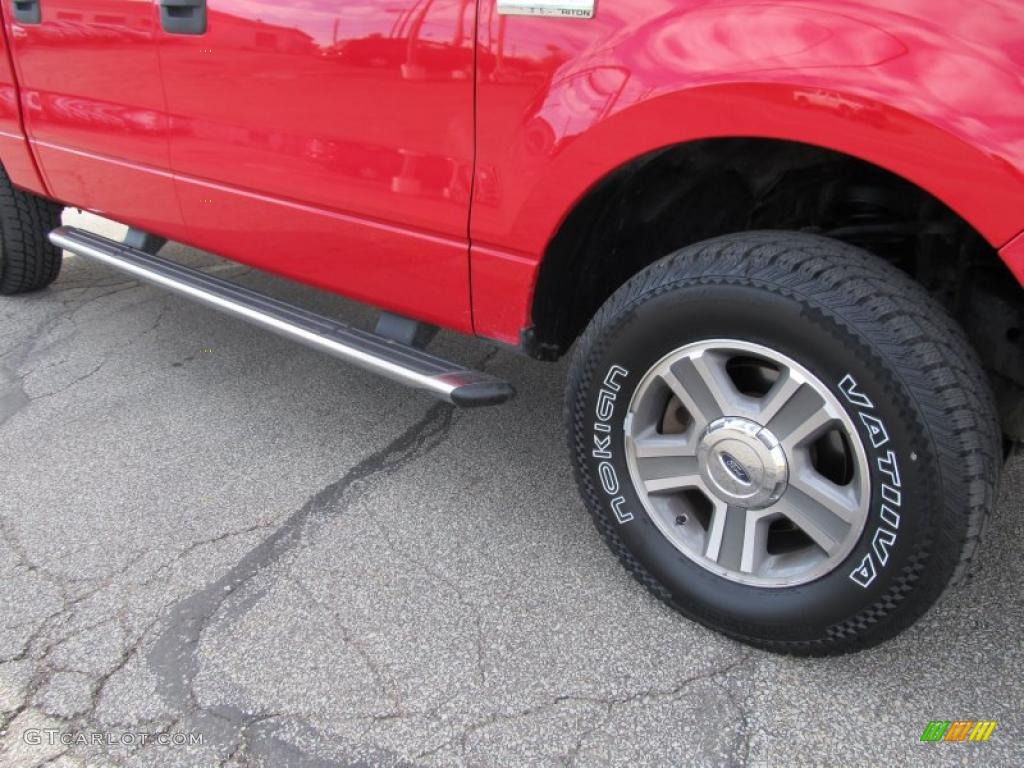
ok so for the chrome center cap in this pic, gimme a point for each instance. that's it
(742, 463)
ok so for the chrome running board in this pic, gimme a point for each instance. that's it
(406, 365)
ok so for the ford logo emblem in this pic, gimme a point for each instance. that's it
(736, 469)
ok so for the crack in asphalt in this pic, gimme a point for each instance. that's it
(13, 398)
(609, 703)
(173, 656)
(349, 638)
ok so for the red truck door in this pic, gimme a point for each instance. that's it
(331, 141)
(93, 105)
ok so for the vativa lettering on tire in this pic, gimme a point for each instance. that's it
(604, 410)
(890, 492)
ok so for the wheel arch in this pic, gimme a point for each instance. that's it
(928, 219)
(660, 177)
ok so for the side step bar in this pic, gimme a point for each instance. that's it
(404, 364)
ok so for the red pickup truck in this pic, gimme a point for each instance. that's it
(779, 240)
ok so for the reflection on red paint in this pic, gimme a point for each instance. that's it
(341, 113)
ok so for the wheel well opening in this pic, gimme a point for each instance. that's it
(683, 194)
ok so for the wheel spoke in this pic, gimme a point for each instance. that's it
(781, 393)
(700, 406)
(825, 523)
(841, 500)
(655, 445)
(755, 542)
(737, 537)
(710, 367)
(803, 416)
(716, 530)
(703, 386)
(666, 474)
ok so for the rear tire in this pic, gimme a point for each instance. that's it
(889, 443)
(28, 261)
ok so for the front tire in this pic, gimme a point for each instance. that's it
(784, 438)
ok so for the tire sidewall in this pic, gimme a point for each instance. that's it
(905, 507)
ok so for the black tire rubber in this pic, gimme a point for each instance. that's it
(28, 261)
(839, 311)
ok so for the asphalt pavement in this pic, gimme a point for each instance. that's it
(221, 548)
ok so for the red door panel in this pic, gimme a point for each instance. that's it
(18, 162)
(94, 110)
(331, 142)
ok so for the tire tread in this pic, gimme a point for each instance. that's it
(28, 261)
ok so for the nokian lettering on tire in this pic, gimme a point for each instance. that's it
(784, 438)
